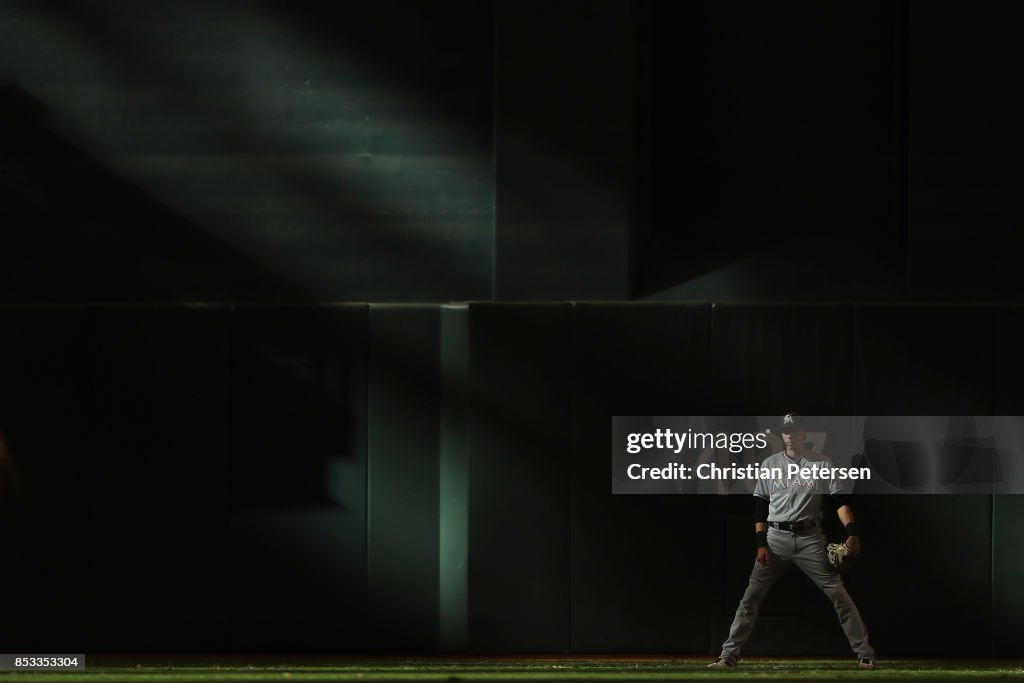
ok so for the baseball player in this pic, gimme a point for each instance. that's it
(787, 528)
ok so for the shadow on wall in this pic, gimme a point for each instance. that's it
(772, 156)
(76, 232)
(288, 143)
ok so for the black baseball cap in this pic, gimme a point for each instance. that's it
(791, 422)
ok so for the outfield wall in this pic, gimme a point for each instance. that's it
(419, 477)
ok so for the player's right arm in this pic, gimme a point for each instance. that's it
(761, 529)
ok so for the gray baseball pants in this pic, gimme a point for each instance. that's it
(806, 551)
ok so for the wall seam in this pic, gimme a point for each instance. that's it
(494, 150)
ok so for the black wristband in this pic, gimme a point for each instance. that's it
(851, 529)
(761, 538)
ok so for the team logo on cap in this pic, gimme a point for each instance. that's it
(787, 419)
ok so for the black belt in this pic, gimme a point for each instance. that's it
(803, 525)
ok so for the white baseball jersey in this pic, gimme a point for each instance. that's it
(794, 498)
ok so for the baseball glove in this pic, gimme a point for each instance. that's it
(840, 556)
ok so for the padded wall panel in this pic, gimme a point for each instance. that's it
(1008, 361)
(643, 565)
(942, 543)
(1008, 510)
(298, 467)
(771, 359)
(1007, 592)
(519, 511)
(403, 476)
(46, 420)
(924, 361)
(160, 477)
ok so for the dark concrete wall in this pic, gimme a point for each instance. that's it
(302, 151)
(773, 166)
(963, 137)
(562, 126)
(807, 152)
(226, 151)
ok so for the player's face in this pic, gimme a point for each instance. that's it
(795, 437)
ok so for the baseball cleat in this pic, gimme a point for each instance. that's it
(866, 663)
(721, 664)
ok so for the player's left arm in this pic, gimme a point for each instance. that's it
(845, 512)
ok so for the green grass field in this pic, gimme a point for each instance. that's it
(525, 669)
